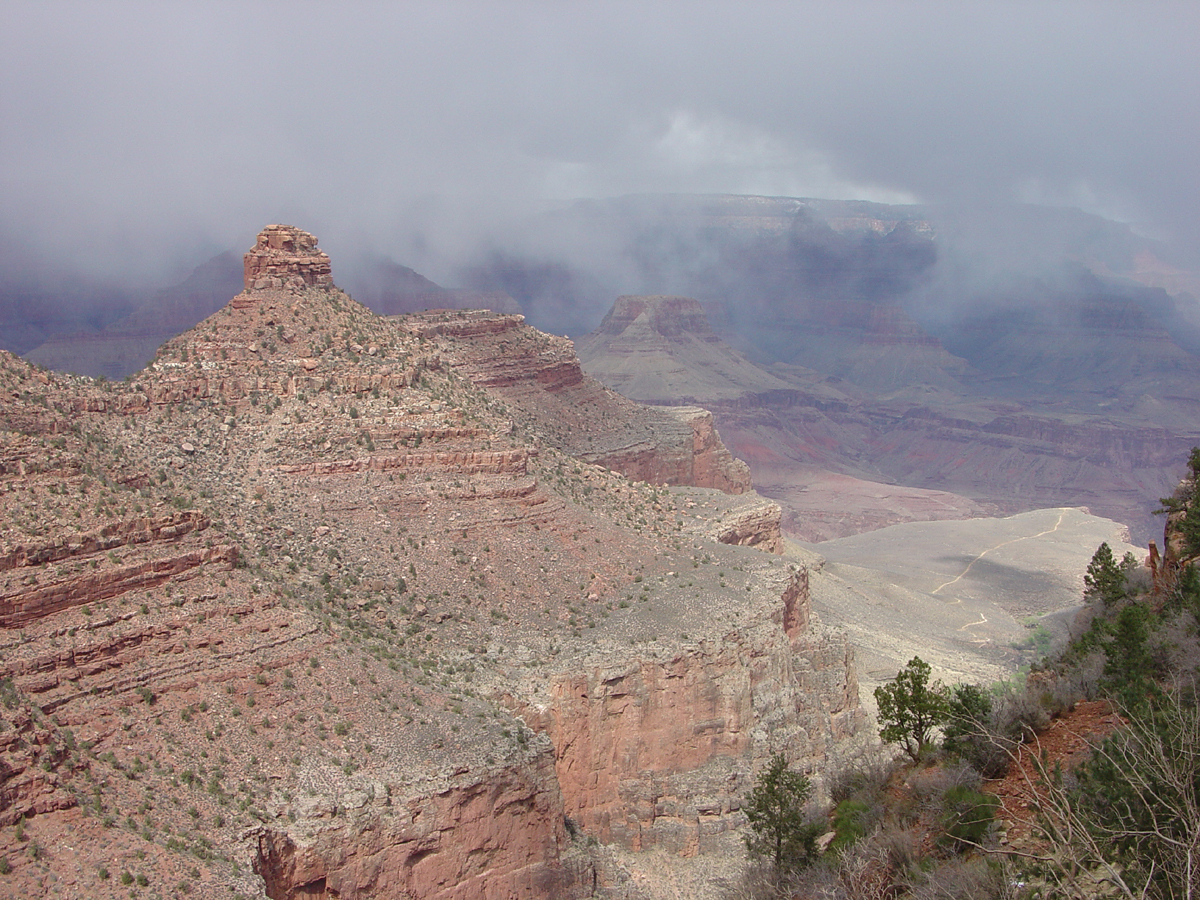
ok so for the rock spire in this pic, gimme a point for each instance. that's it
(286, 257)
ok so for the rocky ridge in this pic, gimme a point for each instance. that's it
(326, 604)
(842, 460)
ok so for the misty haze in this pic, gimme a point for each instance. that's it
(469, 368)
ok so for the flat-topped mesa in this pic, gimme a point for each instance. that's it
(668, 316)
(286, 257)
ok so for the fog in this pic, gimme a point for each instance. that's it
(137, 139)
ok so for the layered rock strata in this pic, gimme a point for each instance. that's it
(541, 377)
(286, 257)
(324, 604)
(657, 750)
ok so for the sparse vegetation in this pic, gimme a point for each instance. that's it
(1124, 821)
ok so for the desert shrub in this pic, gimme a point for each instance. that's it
(968, 816)
(973, 878)
(929, 784)
(972, 732)
(901, 845)
(865, 872)
(1017, 713)
(852, 821)
(758, 880)
(862, 771)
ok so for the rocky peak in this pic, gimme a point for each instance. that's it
(668, 316)
(286, 257)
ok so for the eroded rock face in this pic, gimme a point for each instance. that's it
(543, 379)
(712, 464)
(657, 751)
(286, 257)
(666, 316)
(358, 574)
(757, 524)
(492, 838)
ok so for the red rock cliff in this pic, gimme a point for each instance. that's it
(657, 749)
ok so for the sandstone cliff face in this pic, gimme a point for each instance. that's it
(493, 837)
(658, 751)
(542, 379)
(286, 257)
(755, 524)
(703, 461)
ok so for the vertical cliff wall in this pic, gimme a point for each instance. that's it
(490, 838)
(657, 750)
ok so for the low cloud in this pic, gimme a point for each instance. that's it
(137, 137)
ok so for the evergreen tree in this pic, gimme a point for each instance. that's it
(1105, 579)
(910, 708)
(1130, 668)
(775, 809)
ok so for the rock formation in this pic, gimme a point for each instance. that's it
(542, 378)
(324, 604)
(662, 350)
(841, 461)
(286, 257)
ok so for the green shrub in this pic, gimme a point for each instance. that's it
(851, 819)
(967, 816)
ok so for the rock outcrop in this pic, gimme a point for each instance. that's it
(542, 378)
(286, 257)
(492, 835)
(658, 750)
(326, 604)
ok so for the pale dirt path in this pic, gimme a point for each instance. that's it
(1061, 514)
(893, 594)
(983, 619)
(958, 600)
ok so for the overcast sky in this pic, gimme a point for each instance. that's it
(134, 134)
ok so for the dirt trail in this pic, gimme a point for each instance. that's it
(1061, 514)
(958, 600)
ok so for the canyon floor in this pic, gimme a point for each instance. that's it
(975, 598)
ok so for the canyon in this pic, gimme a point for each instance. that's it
(325, 604)
(873, 363)
(841, 459)
(328, 603)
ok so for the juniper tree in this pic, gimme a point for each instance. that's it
(910, 708)
(775, 809)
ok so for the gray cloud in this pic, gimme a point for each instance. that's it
(135, 135)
